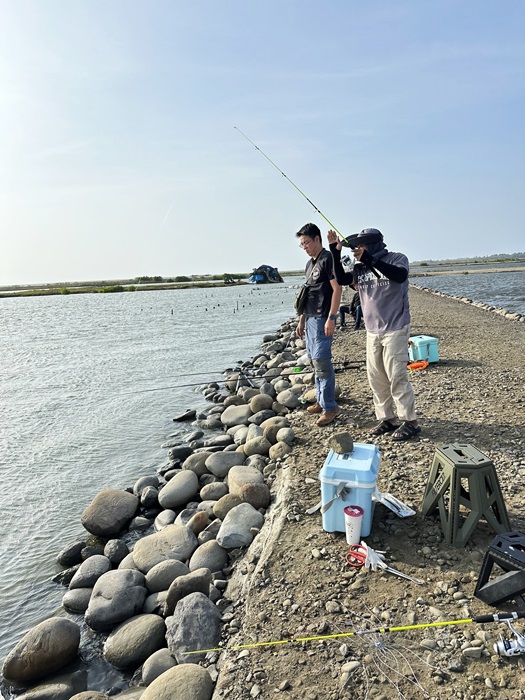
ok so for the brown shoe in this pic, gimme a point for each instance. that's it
(328, 417)
(314, 408)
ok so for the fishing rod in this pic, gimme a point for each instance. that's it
(292, 183)
(514, 647)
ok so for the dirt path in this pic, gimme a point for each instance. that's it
(294, 580)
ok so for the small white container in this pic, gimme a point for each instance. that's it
(353, 520)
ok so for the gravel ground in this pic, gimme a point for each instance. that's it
(294, 580)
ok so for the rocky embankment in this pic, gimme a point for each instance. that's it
(217, 549)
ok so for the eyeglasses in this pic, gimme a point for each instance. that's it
(305, 244)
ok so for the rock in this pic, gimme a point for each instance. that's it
(154, 603)
(257, 446)
(254, 431)
(90, 571)
(90, 695)
(156, 664)
(261, 416)
(236, 528)
(197, 462)
(235, 415)
(190, 414)
(197, 581)
(165, 518)
(186, 682)
(209, 555)
(194, 625)
(70, 555)
(286, 435)
(288, 398)
(225, 504)
(149, 497)
(43, 650)
(109, 512)
(257, 495)
(260, 402)
(220, 463)
(116, 551)
(133, 641)
(173, 542)
(180, 452)
(181, 489)
(279, 450)
(161, 576)
(199, 521)
(128, 562)
(144, 482)
(77, 601)
(342, 443)
(238, 476)
(240, 435)
(213, 491)
(116, 596)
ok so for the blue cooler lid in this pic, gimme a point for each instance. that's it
(360, 466)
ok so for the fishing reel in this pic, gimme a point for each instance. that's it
(510, 647)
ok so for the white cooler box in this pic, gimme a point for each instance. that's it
(349, 480)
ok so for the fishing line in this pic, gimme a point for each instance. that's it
(502, 617)
(292, 183)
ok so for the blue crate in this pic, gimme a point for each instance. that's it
(423, 347)
(357, 472)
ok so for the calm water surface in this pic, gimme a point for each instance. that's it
(79, 409)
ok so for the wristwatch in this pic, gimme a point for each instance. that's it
(333, 317)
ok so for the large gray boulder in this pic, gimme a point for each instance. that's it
(236, 529)
(90, 571)
(238, 476)
(186, 682)
(209, 555)
(220, 463)
(156, 664)
(116, 596)
(235, 415)
(194, 625)
(198, 581)
(133, 641)
(197, 463)
(173, 542)
(77, 600)
(179, 490)
(260, 403)
(161, 576)
(110, 512)
(46, 648)
(257, 446)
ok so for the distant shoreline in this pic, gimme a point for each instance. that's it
(131, 285)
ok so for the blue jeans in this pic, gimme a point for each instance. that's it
(319, 350)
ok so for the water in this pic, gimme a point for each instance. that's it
(79, 409)
(506, 290)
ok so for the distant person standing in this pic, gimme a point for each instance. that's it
(318, 320)
(354, 309)
(382, 278)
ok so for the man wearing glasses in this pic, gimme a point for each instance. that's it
(317, 321)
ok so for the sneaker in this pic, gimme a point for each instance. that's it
(328, 417)
(314, 408)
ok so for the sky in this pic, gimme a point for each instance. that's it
(119, 157)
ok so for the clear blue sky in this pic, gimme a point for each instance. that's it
(405, 115)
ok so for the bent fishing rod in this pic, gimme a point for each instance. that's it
(292, 183)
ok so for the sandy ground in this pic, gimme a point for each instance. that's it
(294, 580)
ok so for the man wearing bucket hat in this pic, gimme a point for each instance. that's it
(382, 278)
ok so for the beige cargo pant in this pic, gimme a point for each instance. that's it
(386, 366)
